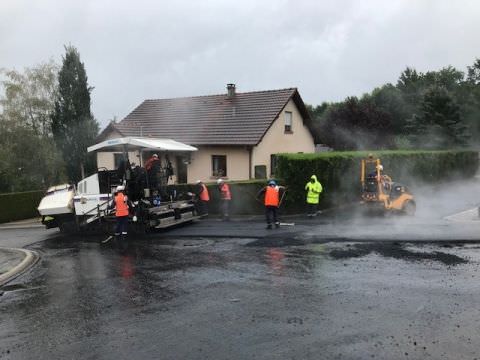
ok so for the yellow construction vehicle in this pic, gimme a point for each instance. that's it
(379, 191)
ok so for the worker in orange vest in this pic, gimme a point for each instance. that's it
(121, 204)
(203, 198)
(225, 198)
(271, 201)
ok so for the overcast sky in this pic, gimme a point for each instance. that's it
(136, 50)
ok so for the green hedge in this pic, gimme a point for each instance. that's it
(18, 206)
(339, 172)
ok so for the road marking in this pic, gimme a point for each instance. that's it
(470, 215)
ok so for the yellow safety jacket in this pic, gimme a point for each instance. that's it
(313, 191)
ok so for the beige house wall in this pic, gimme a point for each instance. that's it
(277, 141)
(107, 159)
(200, 167)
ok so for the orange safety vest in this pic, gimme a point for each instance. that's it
(121, 206)
(271, 196)
(204, 194)
(225, 192)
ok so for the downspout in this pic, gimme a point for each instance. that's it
(250, 162)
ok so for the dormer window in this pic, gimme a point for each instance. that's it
(288, 121)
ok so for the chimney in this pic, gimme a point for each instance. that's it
(230, 91)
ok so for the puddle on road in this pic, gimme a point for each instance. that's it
(184, 243)
(281, 240)
(396, 251)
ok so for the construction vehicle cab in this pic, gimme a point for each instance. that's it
(381, 192)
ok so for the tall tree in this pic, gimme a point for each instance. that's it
(29, 96)
(27, 161)
(470, 99)
(28, 156)
(73, 126)
(473, 73)
(439, 124)
(411, 84)
(317, 115)
(355, 125)
(448, 77)
(390, 100)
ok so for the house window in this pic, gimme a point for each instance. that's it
(288, 121)
(260, 172)
(219, 165)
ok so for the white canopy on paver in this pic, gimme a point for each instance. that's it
(141, 143)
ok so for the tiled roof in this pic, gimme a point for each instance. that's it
(210, 120)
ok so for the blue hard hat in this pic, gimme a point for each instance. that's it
(272, 182)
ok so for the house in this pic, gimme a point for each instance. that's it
(237, 134)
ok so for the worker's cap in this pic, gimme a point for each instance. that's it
(380, 167)
(198, 181)
(219, 181)
(155, 156)
(272, 182)
(120, 188)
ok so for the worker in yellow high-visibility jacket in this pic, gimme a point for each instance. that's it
(313, 189)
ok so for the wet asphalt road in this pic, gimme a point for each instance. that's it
(274, 297)
(241, 299)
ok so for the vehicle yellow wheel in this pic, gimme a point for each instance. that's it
(409, 207)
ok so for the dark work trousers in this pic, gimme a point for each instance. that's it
(122, 225)
(271, 214)
(225, 209)
(311, 209)
(202, 207)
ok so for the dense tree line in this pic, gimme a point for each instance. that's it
(431, 110)
(45, 124)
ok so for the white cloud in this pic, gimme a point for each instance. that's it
(154, 49)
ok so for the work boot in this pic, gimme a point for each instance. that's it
(277, 224)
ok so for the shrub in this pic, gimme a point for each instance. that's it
(18, 206)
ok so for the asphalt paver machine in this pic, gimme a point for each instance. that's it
(85, 206)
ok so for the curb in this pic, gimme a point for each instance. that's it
(30, 223)
(29, 260)
(17, 227)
